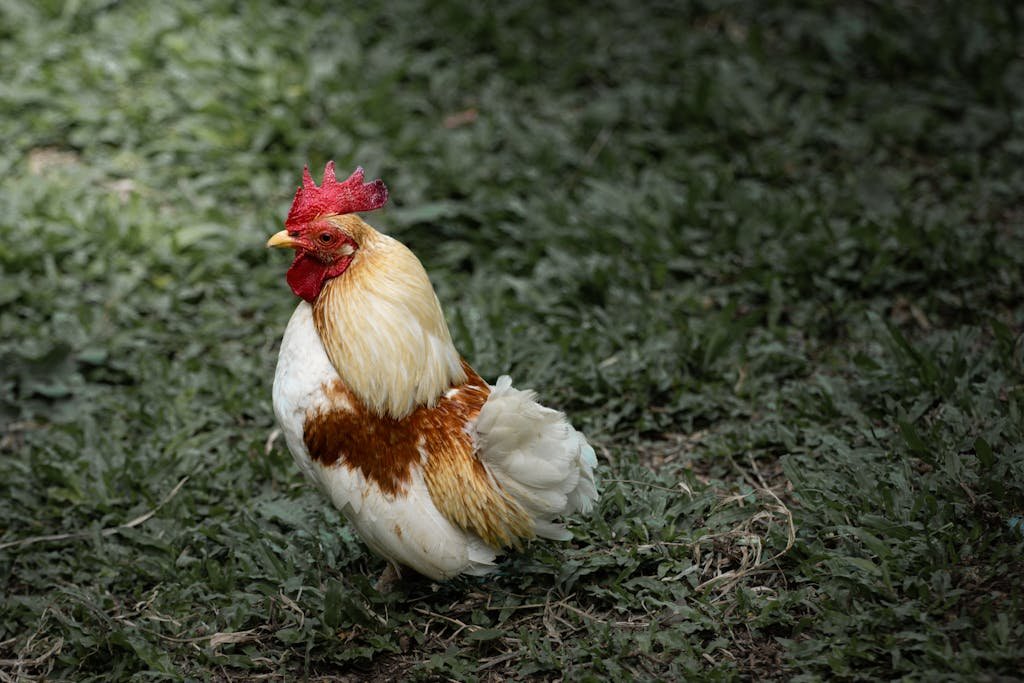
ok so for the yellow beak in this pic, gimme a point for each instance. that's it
(281, 239)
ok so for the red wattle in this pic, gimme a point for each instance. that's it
(307, 274)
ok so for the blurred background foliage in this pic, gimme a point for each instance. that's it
(768, 256)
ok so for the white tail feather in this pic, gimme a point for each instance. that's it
(536, 456)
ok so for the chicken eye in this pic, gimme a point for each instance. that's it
(326, 237)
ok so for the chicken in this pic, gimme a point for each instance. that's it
(436, 470)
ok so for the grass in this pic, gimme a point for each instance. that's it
(767, 256)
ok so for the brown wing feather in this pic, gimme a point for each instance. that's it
(458, 482)
(385, 450)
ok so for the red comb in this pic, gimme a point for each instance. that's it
(332, 197)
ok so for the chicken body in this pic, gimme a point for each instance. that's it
(435, 469)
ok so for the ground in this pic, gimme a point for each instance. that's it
(767, 256)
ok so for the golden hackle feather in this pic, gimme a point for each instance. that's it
(382, 326)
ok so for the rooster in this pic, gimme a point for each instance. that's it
(436, 470)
